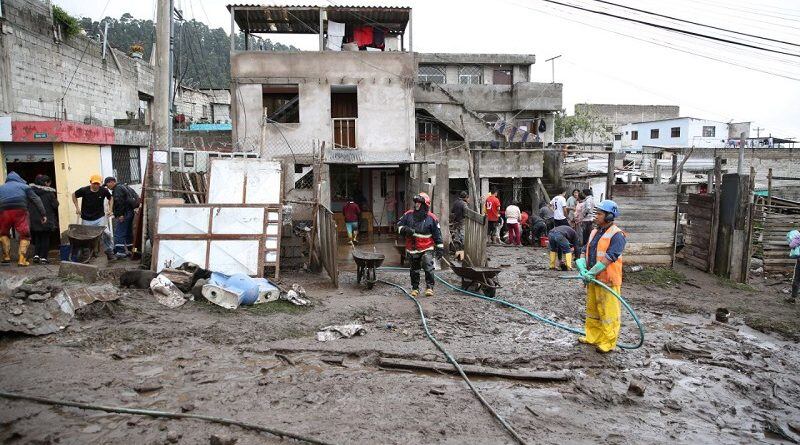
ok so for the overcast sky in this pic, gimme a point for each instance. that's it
(604, 60)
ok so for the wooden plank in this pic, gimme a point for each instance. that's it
(654, 260)
(699, 213)
(697, 263)
(516, 374)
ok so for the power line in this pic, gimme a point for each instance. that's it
(80, 61)
(694, 23)
(664, 45)
(669, 28)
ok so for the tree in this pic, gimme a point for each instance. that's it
(202, 55)
(585, 126)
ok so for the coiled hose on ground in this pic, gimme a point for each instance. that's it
(544, 319)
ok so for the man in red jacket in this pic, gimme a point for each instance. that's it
(492, 207)
(423, 236)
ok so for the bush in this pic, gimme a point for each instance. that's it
(68, 23)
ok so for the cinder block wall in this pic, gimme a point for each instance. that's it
(39, 70)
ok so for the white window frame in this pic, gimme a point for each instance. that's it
(468, 79)
(427, 77)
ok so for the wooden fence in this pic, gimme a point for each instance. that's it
(699, 243)
(475, 238)
(775, 221)
(648, 217)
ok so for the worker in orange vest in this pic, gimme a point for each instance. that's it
(602, 260)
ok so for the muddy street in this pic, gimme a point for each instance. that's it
(694, 381)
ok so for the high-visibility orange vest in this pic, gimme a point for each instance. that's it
(612, 274)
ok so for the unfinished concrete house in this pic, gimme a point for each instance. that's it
(487, 103)
(380, 115)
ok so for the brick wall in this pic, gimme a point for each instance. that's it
(41, 69)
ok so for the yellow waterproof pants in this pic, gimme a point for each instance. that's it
(602, 317)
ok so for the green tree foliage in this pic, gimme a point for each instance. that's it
(584, 126)
(68, 23)
(202, 54)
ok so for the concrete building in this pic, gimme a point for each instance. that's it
(617, 115)
(483, 97)
(679, 132)
(220, 100)
(379, 112)
(59, 100)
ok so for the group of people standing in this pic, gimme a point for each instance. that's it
(32, 211)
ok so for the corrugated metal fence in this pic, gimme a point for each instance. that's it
(325, 248)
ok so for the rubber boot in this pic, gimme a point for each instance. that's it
(23, 248)
(428, 292)
(568, 261)
(414, 293)
(553, 257)
(5, 242)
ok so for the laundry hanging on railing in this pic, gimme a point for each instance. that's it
(521, 134)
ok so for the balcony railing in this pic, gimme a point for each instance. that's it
(344, 132)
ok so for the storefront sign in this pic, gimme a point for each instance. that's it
(61, 131)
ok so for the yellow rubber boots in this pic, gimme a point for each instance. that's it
(23, 249)
(553, 257)
(5, 242)
(568, 260)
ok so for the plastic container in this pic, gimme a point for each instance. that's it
(544, 241)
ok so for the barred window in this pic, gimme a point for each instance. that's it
(433, 74)
(470, 74)
(303, 176)
(125, 163)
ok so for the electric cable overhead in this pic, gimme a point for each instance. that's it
(670, 28)
(656, 14)
(664, 45)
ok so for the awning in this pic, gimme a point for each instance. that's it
(304, 19)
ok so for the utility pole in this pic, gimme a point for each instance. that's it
(552, 61)
(758, 131)
(161, 137)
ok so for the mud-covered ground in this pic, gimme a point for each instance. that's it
(703, 382)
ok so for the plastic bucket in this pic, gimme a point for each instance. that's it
(544, 241)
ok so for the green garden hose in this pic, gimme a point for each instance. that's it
(543, 319)
(453, 361)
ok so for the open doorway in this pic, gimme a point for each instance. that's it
(29, 161)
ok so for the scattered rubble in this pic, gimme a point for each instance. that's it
(329, 333)
(166, 292)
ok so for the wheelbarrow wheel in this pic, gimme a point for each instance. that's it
(370, 277)
(489, 291)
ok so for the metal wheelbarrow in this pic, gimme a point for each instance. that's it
(478, 279)
(367, 262)
(85, 240)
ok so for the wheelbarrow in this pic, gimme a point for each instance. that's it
(85, 241)
(401, 249)
(477, 279)
(367, 262)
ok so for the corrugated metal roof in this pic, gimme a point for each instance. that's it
(304, 19)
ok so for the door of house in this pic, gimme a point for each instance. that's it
(384, 197)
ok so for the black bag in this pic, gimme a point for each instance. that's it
(132, 197)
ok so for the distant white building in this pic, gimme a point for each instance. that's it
(679, 132)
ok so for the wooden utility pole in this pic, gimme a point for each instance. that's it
(610, 177)
(161, 137)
